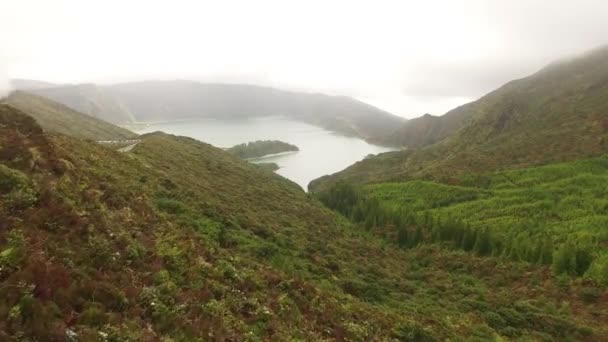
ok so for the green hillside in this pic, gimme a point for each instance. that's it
(558, 114)
(180, 240)
(55, 117)
(530, 215)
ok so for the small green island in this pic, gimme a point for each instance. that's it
(268, 166)
(261, 148)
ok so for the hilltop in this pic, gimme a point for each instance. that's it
(55, 117)
(557, 114)
(89, 99)
(179, 239)
(428, 129)
(171, 100)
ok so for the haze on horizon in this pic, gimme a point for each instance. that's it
(406, 57)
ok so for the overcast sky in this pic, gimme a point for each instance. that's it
(407, 57)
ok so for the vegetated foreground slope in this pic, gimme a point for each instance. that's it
(260, 148)
(55, 117)
(180, 239)
(171, 100)
(557, 114)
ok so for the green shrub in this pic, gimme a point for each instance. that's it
(12, 255)
(11, 180)
(93, 316)
(16, 189)
(494, 320)
(590, 294)
(412, 331)
(171, 206)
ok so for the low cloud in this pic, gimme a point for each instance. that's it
(5, 83)
(473, 79)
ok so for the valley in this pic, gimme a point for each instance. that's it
(320, 152)
(233, 212)
(189, 241)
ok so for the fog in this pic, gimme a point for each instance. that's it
(5, 84)
(407, 57)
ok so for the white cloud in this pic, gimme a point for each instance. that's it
(5, 83)
(392, 52)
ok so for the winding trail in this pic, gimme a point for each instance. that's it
(133, 143)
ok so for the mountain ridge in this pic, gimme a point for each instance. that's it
(556, 114)
(182, 99)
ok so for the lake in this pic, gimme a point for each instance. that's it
(321, 152)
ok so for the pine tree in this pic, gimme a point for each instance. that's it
(483, 243)
(402, 237)
(468, 240)
(418, 236)
(564, 259)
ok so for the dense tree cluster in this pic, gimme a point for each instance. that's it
(409, 228)
(261, 148)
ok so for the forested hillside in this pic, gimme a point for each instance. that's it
(551, 215)
(178, 239)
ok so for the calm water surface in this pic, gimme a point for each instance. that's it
(321, 152)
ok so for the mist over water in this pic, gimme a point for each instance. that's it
(321, 152)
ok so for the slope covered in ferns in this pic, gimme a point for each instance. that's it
(178, 239)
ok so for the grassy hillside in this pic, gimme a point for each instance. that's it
(557, 114)
(178, 239)
(55, 117)
(89, 99)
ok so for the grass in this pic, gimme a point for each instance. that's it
(54, 117)
(178, 239)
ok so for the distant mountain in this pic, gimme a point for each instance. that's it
(55, 117)
(428, 129)
(23, 84)
(559, 113)
(171, 100)
(89, 99)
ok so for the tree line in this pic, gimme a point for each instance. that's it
(408, 229)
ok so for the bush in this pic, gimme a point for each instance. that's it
(411, 331)
(93, 316)
(494, 320)
(13, 254)
(16, 188)
(12, 180)
(590, 294)
(171, 206)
